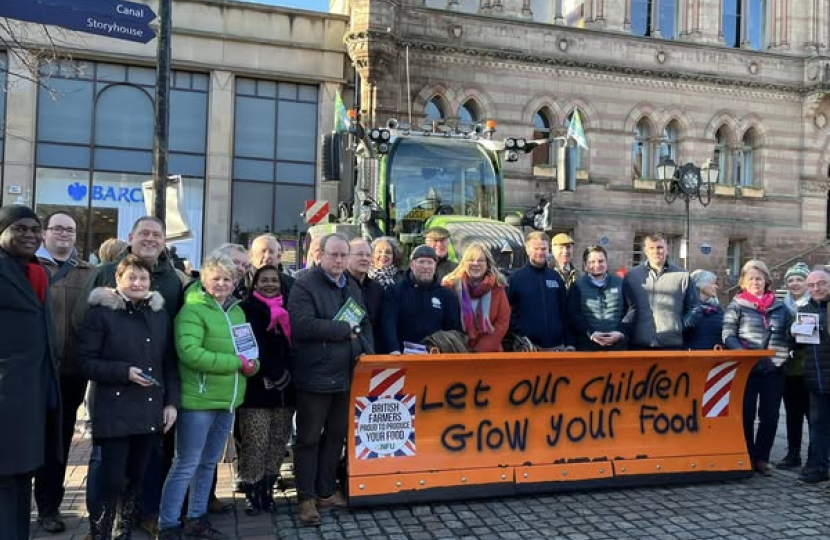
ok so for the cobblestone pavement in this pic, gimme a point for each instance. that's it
(753, 509)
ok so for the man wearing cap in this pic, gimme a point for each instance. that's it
(438, 238)
(29, 389)
(562, 247)
(418, 306)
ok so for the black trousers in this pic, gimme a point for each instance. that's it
(122, 458)
(797, 407)
(322, 424)
(15, 506)
(49, 478)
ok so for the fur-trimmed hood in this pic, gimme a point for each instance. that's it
(112, 299)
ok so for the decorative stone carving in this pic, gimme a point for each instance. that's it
(813, 188)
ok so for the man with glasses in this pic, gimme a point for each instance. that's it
(438, 238)
(68, 273)
(325, 345)
(816, 357)
(360, 262)
(29, 390)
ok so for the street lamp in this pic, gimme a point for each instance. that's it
(687, 182)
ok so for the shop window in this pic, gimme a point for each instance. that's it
(95, 128)
(124, 118)
(643, 21)
(275, 153)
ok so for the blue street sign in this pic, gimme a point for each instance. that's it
(106, 18)
(130, 11)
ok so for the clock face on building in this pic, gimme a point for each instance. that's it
(689, 182)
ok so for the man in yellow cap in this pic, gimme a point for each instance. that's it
(562, 247)
(438, 238)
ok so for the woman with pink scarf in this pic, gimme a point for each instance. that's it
(265, 416)
(480, 287)
(755, 319)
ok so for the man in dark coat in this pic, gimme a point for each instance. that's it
(266, 250)
(360, 261)
(67, 275)
(418, 306)
(816, 363)
(537, 298)
(438, 238)
(28, 372)
(325, 347)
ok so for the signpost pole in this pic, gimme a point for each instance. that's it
(161, 140)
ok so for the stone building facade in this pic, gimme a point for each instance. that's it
(742, 82)
(253, 88)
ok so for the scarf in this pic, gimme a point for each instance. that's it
(278, 314)
(793, 304)
(760, 303)
(37, 277)
(475, 321)
(385, 276)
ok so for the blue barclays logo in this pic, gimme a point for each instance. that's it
(78, 191)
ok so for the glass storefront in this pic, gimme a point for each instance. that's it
(94, 148)
(275, 151)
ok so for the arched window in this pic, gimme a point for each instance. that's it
(642, 160)
(745, 161)
(124, 117)
(643, 22)
(434, 109)
(721, 156)
(669, 145)
(744, 23)
(573, 157)
(469, 113)
(545, 154)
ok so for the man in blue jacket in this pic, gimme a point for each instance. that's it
(537, 297)
(418, 306)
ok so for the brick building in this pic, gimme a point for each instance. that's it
(742, 82)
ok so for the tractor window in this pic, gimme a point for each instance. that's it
(440, 176)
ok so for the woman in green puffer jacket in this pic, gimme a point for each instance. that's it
(212, 374)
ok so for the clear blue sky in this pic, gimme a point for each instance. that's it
(314, 5)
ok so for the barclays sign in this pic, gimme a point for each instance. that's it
(116, 194)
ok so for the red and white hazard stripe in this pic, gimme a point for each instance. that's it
(316, 211)
(718, 390)
(387, 382)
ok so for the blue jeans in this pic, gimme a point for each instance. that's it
(763, 396)
(817, 458)
(200, 440)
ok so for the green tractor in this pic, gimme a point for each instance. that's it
(406, 180)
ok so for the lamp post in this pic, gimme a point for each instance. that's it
(688, 182)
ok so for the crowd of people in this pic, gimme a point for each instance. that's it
(244, 351)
